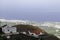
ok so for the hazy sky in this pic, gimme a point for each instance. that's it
(35, 10)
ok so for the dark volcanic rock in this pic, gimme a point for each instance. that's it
(26, 37)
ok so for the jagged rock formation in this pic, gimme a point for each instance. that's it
(26, 37)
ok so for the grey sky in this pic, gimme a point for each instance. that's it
(35, 10)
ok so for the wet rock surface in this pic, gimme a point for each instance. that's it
(26, 37)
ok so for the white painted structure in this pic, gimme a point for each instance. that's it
(8, 29)
(32, 34)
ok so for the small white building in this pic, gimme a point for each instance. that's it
(8, 29)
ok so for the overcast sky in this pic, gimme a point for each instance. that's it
(34, 10)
